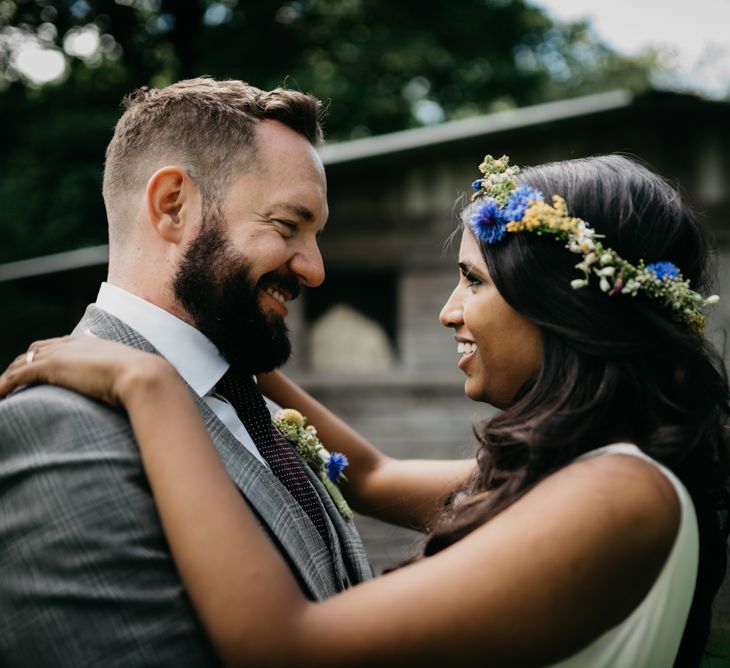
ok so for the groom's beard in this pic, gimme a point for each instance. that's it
(215, 287)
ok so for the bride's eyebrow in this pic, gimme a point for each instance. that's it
(467, 269)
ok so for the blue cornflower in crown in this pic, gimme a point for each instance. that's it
(502, 207)
(488, 219)
(664, 269)
(328, 466)
(520, 199)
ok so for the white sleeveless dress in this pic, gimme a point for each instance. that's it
(649, 637)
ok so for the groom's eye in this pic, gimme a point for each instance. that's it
(291, 227)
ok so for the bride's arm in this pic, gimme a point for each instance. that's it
(174, 444)
(409, 492)
(533, 585)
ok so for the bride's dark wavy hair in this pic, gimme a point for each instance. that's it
(615, 368)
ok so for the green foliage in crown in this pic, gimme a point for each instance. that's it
(505, 208)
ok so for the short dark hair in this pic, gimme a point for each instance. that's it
(203, 123)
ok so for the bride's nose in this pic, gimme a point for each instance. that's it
(452, 314)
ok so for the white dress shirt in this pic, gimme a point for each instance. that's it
(192, 354)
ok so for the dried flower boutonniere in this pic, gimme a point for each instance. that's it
(329, 466)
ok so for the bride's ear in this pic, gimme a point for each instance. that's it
(173, 203)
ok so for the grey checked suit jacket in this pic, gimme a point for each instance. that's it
(86, 576)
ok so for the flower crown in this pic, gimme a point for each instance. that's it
(504, 207)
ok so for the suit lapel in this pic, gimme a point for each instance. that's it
(284, 517)
(350, 559)
(290, 526)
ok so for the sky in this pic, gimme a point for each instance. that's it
(693, 35)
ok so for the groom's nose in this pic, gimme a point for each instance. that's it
(308, 266)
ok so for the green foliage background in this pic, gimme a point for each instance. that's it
(379, 65)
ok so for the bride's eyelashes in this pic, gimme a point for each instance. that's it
(472, 279)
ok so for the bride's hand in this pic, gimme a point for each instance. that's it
(102, 369)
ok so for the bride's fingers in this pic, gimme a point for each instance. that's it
(31, 354)
(87, 364)
(20, 374)
(37, 346)
(22, 360)
(34, 349)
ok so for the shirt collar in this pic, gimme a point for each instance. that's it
(192, 354)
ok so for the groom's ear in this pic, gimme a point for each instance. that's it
(173, 203)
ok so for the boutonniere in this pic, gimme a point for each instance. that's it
(329, 466)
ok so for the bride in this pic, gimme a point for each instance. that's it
(589, 533)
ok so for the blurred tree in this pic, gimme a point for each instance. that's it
(380, 65)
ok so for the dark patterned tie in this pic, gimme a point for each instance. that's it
(244, 395)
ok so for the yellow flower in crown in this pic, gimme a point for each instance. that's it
(503, 207)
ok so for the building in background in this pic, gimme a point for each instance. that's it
(368, 342)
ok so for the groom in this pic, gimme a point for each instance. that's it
(215, 196)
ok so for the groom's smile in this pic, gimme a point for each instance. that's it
(275, 289)
(271, 299)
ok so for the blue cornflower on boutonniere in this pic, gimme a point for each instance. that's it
(520, 199)
(487, 222)
(335, 465)
(664, 270)
(329, 467)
